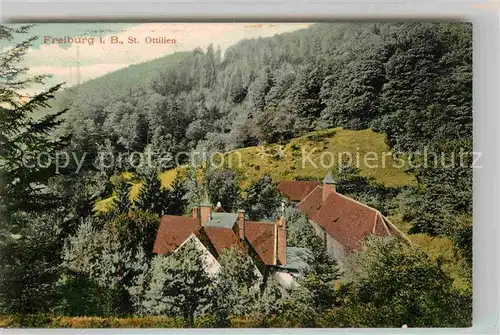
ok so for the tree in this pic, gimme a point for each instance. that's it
(78, 194)
(222, 185)
(141, 273)
(269, 303)
(23, 138)
(180, 284)
(29, 243)
(395, 284)
(29, 264)
(153, 197)
(322, 271)
(237, 286)
(262, 200)
(111, 254)
(298, 308)
(122, 199)
(196, 188)
(176, 197)
(135, 229)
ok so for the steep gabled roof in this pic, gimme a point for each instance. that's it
(261, 236)
(173, 231)
(296, 190)
(222, 238)
(312, 202)
(346, 220)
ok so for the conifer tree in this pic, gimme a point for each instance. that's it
(180, 284)
(237, 285)
(29, 243)
(23, 138)
(122, 202)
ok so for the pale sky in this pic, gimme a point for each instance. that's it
(60, 60)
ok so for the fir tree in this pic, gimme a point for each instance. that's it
(122, 200)
(22, 137)
(237, 285)
(180, 284)
(153, 197)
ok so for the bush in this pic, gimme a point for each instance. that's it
(319, 136)
(27, 321)
(205, 321)
(130, 322)
(81, 322)
(148, 322)
(136, 228)
(244, 322)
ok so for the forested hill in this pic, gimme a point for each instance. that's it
(112, 87)
(410, 80)
(282, 104)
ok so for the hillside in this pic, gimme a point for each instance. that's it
(114, 86)
(260, 160)
(284, 161)
(290, 106)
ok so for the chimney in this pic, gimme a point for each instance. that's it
(205, 212)
(328, 186)
(281, 240)
(241, 224)
(195, 213)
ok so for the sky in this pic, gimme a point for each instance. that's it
(60, 59)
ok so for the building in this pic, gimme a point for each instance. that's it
(213, 230)
(341, 222)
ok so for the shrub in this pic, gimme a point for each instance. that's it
(136, 228)
(205, 321)
(128, 322)
(81, 322)
(148, 322)
(27, 321)
(245, 322)
(320, 135)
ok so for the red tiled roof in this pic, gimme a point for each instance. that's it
(346, 220)
(296, 190)
(380, 228)
(260, 235)
(173, 231)
(310, 204)
(221, 238)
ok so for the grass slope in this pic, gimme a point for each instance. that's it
(288, 161)
(313, 155)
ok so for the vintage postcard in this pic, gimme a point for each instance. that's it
(236, 175)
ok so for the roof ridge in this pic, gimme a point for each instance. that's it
(383, 222)
(307, 196)
(356, 201)
(266, 222)
(300, 181)
(393, 226)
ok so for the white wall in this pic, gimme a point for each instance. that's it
(211, 263)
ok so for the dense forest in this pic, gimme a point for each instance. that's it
(411, 81)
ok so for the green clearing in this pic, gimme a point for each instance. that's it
(289, 160)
